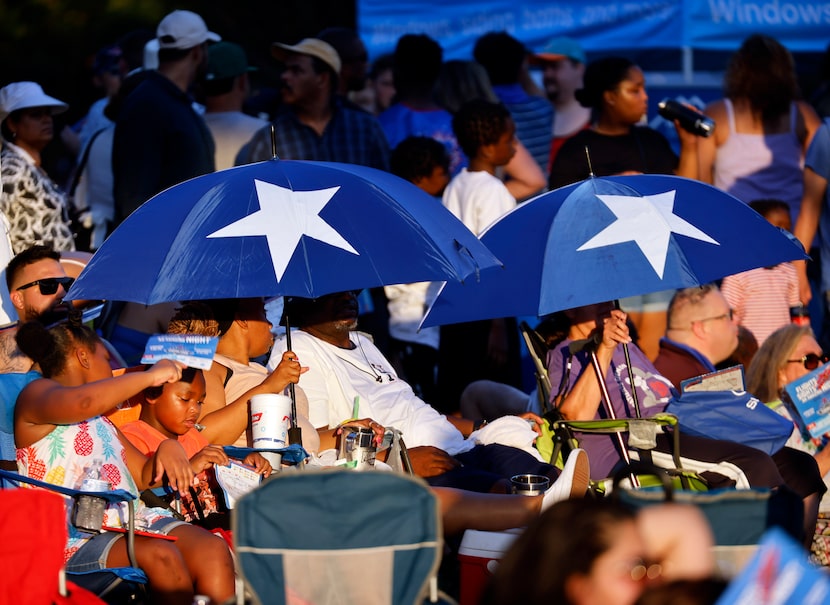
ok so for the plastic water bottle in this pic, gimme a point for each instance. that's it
(93, 479)
(89, 510)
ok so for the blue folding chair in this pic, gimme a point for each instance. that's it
(339, 536)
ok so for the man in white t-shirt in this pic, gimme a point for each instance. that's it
(349, 377)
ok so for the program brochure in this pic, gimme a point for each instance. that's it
(809, 399)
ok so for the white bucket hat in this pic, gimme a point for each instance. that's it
(183, 29)
(23, 95)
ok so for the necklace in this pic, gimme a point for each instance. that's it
(378, 370)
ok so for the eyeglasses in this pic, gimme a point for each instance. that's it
(811, 360)
(727, 315)
(49, 285)
(640, 570)
(644, 570)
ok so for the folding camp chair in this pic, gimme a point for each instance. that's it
(339, 537)
(115, 585)
(564, 432)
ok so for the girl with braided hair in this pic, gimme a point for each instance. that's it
(60, 432)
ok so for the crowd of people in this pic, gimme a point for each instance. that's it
(479, 136)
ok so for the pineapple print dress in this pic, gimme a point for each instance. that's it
(62, 457)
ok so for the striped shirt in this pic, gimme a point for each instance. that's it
(534, 120)
(761, 298)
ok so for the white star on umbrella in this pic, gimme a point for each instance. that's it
(284, 217)
(649, 222)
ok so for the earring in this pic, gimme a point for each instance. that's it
(14, 135)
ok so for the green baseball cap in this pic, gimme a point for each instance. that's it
(226, 60)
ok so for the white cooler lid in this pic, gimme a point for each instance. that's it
(488, 544)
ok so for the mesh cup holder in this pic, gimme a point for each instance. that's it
(89, 513)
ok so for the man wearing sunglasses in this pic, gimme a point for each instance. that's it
(37, 284)
(701, 333)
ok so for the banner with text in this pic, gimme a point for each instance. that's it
(801, 25)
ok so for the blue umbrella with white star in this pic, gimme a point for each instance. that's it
(608, 238)
(281, 228)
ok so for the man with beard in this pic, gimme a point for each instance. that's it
(159, 139)
(37, 284)
(563, 63)
(314, 123)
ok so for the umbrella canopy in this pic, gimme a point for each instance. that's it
(281, 227)
(609, 238)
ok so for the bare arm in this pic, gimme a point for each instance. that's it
(810, 124)
(225, 423)
(525, 178)
(823, 460)
(169, 459)
(707, 148)
(583, 401)
(678, 537)
(45, 403)
(815, 186)
(462, 424)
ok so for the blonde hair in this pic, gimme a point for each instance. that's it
(771, 358)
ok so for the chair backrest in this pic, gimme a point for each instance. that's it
(33, 530)
(338, 536)
(11, 384)
(538, 353)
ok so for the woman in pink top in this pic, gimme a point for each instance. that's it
(763, 131)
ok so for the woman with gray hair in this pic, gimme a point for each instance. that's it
(34, 205)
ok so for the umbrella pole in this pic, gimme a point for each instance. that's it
(295, 433)
(606, 400)
(631, 379)
(630, 373)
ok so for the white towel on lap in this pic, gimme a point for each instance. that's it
(508, 430)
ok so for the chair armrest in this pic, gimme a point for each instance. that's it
(293, 454)
(112, 496)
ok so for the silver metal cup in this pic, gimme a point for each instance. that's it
(529, 485)
(357, 445)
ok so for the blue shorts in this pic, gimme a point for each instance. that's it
(92, 556)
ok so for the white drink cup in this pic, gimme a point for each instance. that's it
(270, 421)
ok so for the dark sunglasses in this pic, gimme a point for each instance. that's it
(811, 361)
(49, 285)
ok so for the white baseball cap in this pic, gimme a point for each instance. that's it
(183, 29)
(23, 95)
